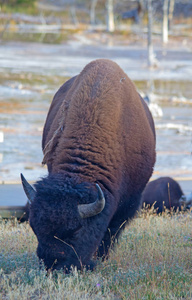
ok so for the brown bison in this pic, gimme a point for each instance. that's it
(164, 192)
(99, 146)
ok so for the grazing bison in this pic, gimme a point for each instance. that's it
(164, 192)
(99, 146)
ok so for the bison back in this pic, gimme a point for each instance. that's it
(99, 127)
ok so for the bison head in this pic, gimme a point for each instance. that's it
(186, 201)
(66, 218)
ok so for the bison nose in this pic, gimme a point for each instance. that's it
(51, 265)
(62, 253)
(61, 265)
(182, 200)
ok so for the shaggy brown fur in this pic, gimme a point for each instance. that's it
(98, 130)
(90, 122)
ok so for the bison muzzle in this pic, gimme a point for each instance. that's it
(99, 147)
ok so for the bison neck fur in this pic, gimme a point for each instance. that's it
(98, 130)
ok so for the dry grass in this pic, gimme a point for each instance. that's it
(152, 261)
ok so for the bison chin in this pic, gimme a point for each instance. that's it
(66, 264)
(67, 268)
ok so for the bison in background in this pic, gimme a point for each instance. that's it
(164, 192)
(99, 146)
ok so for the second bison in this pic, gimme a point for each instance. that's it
(164, 192)
(99, 146)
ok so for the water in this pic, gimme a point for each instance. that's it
(30, 74)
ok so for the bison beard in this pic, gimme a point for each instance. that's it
(99, 146)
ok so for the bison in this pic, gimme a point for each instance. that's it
(99, 147)
(164, 192)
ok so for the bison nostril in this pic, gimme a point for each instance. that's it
(62, 253)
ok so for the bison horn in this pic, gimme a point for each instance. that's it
(29, 190)
(92, 209)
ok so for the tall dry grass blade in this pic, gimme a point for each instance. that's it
(72, 248)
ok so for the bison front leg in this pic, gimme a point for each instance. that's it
(109, 239)
(117, 224)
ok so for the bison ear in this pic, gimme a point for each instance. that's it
(93, 209)
(29, 190)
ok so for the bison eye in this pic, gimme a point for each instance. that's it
(74, 231)
(67, 234)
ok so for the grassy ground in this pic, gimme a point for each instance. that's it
(152, 261)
